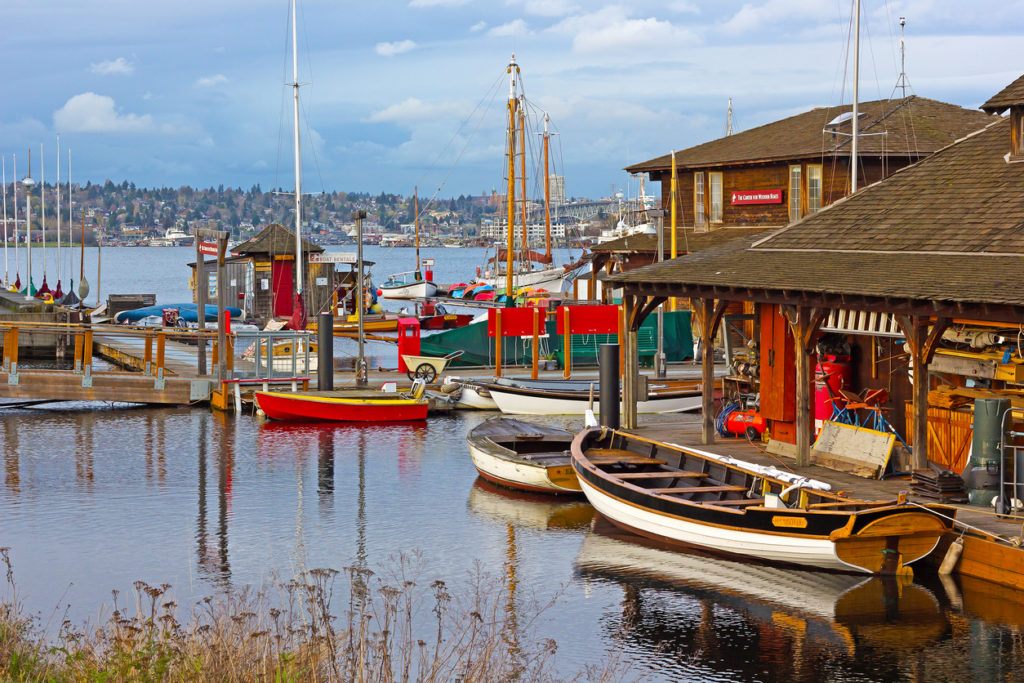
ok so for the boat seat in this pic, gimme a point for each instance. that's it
(661, 474)
(741, 501)
(605, 456)
(700, 489)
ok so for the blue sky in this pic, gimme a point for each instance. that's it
(189, 92)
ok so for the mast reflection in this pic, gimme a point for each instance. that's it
(212, 548)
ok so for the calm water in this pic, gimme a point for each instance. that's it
(93, 498)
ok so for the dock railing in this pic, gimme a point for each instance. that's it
(280, 354)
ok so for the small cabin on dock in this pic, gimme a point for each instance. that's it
(261, 275)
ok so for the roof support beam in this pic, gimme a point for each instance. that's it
(923, 340)
(708, 313)
(804, 324)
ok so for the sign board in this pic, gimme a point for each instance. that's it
(757, 197)
(264, 283)
(589, 319)
(321, 282)
(208, 248)
(337, 257)
(515, 322)
(212, 284)
(428, 262)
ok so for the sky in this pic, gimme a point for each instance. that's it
(404, 93)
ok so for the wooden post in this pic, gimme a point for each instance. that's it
(536, 342)
(7, 350)
(77, 368)
(148, 367)
(202, 287)
(627, 352)
(215, 358)
(231, 355)
(87, 353)
(12, 356)
(709, 314)
(804, 323)
(497, 342)
(566, 344)
(923, 342)
(160, 340)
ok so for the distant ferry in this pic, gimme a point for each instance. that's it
(174, 237)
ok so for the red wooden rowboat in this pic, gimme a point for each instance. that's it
(334, 408)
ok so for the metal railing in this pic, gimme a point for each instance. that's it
(277, 354)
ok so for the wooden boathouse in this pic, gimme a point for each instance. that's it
(899, 271)
(780, 172)
(261, 275)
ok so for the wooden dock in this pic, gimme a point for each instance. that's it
(992, 544)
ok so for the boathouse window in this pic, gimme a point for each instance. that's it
(813, 187)
(715, 180)
(1017, 133)
(794, 193)
(698, 199)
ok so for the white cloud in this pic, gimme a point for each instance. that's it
(478, 26)
(395, 48)
(211, 81)
(113, 67)
(413, 110)
(92, 113)
(545, 8)
(612, 28)
(754, 17)
(517, 27)
(438, 3)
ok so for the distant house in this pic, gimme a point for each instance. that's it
(780, 172)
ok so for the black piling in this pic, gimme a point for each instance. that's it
(609, 359)
(325, 351)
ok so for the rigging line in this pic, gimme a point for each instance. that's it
(458, 158)
(312, 147)
(284, 79)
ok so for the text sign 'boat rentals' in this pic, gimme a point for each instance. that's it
(340, 257)
(208, 248)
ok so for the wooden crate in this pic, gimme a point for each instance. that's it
(949, 435)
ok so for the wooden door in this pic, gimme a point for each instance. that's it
(283, 283)
(778, 367)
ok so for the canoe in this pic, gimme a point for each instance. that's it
(693, 498)
(188, 312)
(521, 400)
(523, 456)
(312, 408)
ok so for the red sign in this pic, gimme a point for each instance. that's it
(757, 197)
(208, 248)
(515, 322)
(589, 319)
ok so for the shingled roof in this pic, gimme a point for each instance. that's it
(1009, 96)
(914, 126)
(949, 228)
(275, 239)
(687, 240)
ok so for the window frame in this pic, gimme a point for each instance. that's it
(712, 176)
(811, 169)
(794, 199)
(699, 215)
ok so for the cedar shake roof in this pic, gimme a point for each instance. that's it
(687, 240)
(1009, 96)
(915, 126)
(948, 228)
(275, 239)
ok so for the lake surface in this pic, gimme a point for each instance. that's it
(95, 497)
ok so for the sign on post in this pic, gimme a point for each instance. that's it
(515, 322)
(208, 248)
(337, 257)
(589, 319)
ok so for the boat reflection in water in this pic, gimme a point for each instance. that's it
(695, 610)
(529, 510)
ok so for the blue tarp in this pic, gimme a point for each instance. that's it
(187, 312)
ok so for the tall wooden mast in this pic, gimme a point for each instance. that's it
(513, 70)
(416, 213)
(522, 179)
(298, 159)
(547, 194)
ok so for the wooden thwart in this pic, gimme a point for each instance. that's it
(702, 489)
(662, 474)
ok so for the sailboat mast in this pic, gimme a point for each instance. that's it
(298, 158)
(510, 231)
(58, 208)
(416, 213)
(14, 188)
(28, 182)
(42, 206)
(856, 95)
(547, 194)
(3, 164)
(522, 180)
(674, 191)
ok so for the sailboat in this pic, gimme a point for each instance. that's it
(513, 269)
(410, 284)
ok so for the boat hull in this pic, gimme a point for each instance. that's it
(556, 479)
(301, 408)
(473, 397)
(551, 279)
(523, 456)
(413, 290)
(524, 402)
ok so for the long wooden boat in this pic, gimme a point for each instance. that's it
(572, 400)
(688, 497)
(325, 408)
(523, 456)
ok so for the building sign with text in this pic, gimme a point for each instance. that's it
(757, 197)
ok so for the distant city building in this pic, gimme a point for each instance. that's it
(557, 187)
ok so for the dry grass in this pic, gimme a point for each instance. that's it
(392, 628)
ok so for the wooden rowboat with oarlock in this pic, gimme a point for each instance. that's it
(694, 498)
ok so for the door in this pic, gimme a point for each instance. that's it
(283, 282)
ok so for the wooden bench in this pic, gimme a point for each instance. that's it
(662, 474)
(610, 456)
(701, 489)
(741, 501)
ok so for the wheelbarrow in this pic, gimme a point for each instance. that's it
(428, 368)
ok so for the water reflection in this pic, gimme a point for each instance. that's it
(212, 547)
(697, 611)
(12, 463)
(528, 510)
